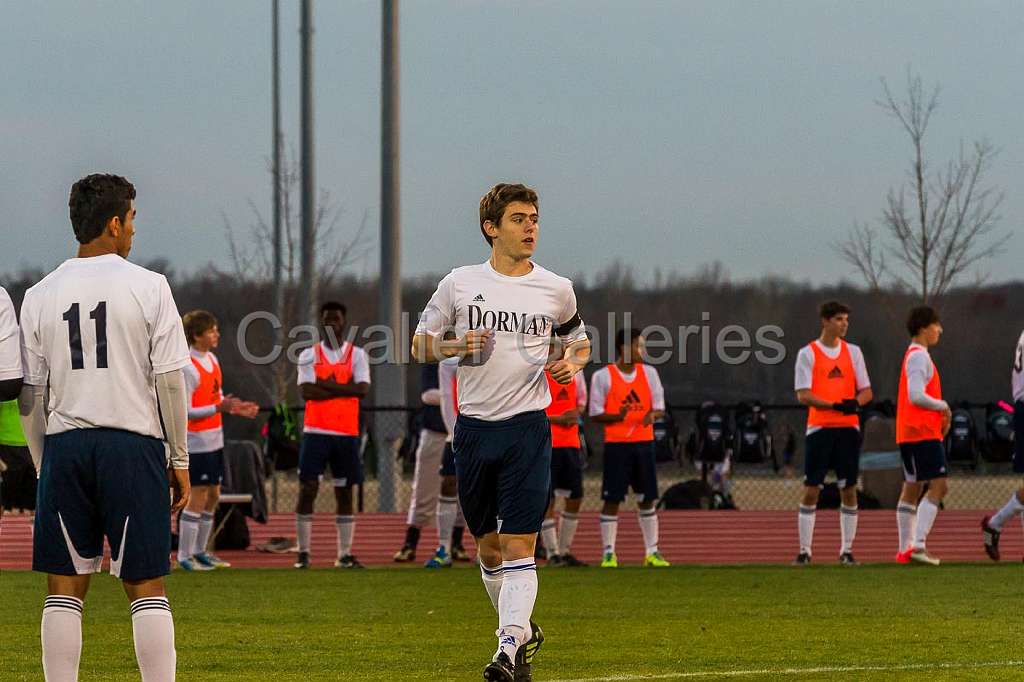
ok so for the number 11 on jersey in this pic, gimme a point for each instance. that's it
(72, 317)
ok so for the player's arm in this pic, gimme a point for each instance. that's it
(32, 408)
(657, 395)
(599, 385)
(576, 344)
(567, 418)
(917, 379)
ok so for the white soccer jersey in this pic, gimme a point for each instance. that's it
(601, 384)
(1017, 376)
(97, 331)
(10, 345)
(210, 440)
(508, 379)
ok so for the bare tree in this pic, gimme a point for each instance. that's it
(939, 224)
(252, 258)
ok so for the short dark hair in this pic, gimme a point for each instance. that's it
(333, 305)
(830, 309)
(493, 204)
(197, 323)
(921, 317)
(624, 336)
(95, 199)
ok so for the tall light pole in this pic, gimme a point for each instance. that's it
(390, 380)
(308, 275)
(278, 293)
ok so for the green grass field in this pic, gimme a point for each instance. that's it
(875, 622)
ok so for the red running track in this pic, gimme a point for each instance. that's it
(689, 537)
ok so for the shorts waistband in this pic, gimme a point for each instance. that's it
(515, 421)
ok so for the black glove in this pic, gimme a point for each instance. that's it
(848, 406)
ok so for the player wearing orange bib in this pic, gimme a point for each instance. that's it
(627, 397)
(568, 401)
(922, 420)
(207, 405)
(832, 381)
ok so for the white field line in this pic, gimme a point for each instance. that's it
(803, 671)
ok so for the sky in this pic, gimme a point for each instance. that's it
(665, 135)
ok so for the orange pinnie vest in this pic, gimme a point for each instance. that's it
(913, 423)
(563, 399)
(338, 415)
(834, 381)
(636, 396)
(207, 393)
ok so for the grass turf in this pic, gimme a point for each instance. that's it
(400, 624)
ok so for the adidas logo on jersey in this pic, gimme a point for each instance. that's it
(836, 373)
(479, 297)
(632, 401)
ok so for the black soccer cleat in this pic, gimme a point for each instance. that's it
(406, 554)
(571, 561)
(348, 561)
(556, 561)
(990, 536)
(500, 669)
(524, 654)
(303, 560)
(846, 559)
(459, 553)
(802, 559)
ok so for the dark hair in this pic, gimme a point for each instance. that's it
(492, 205)
(624, 336)
(921, 317)
(830, 309)
(95, 199)
(197, 323)
(333, 305)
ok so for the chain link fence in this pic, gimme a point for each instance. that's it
(774, 483)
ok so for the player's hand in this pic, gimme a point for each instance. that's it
(562, 371)
(623, 411)
(648, 417)
(848, 406)
(229, 404)
(245, 408)
(474, 342)
(181, 488)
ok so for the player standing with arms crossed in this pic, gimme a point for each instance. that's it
(503, 313)
(104, 336)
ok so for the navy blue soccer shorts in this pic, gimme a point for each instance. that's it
(923, 460)
(317, 450)
(629, 465)
(97, 483)
(206, 468)
(567, 472)
(1018, 437)
(835, 449)
(504, 471)
(448, 461)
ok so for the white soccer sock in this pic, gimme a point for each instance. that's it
(649, 529)
(567, 531)
(515, 604)
(188, 530)
(493, 579)
(847, 527)
(61, 635)
(205, 528)
(447, 510)
(303, 530)
(609, 529)
(906, 515)
(1003, 515)
(549, 537)
(346, 530)
(806, 524)
(926, 513)
(153, 628)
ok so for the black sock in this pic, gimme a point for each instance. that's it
(457, 536)
(412, 537)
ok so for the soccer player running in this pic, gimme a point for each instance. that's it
(503, 313)
(627, 397)
(922, 420)
(832, 381)
(333, 376)
(992, 526)
(567, 462)
(102, 336)
(207, 405)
